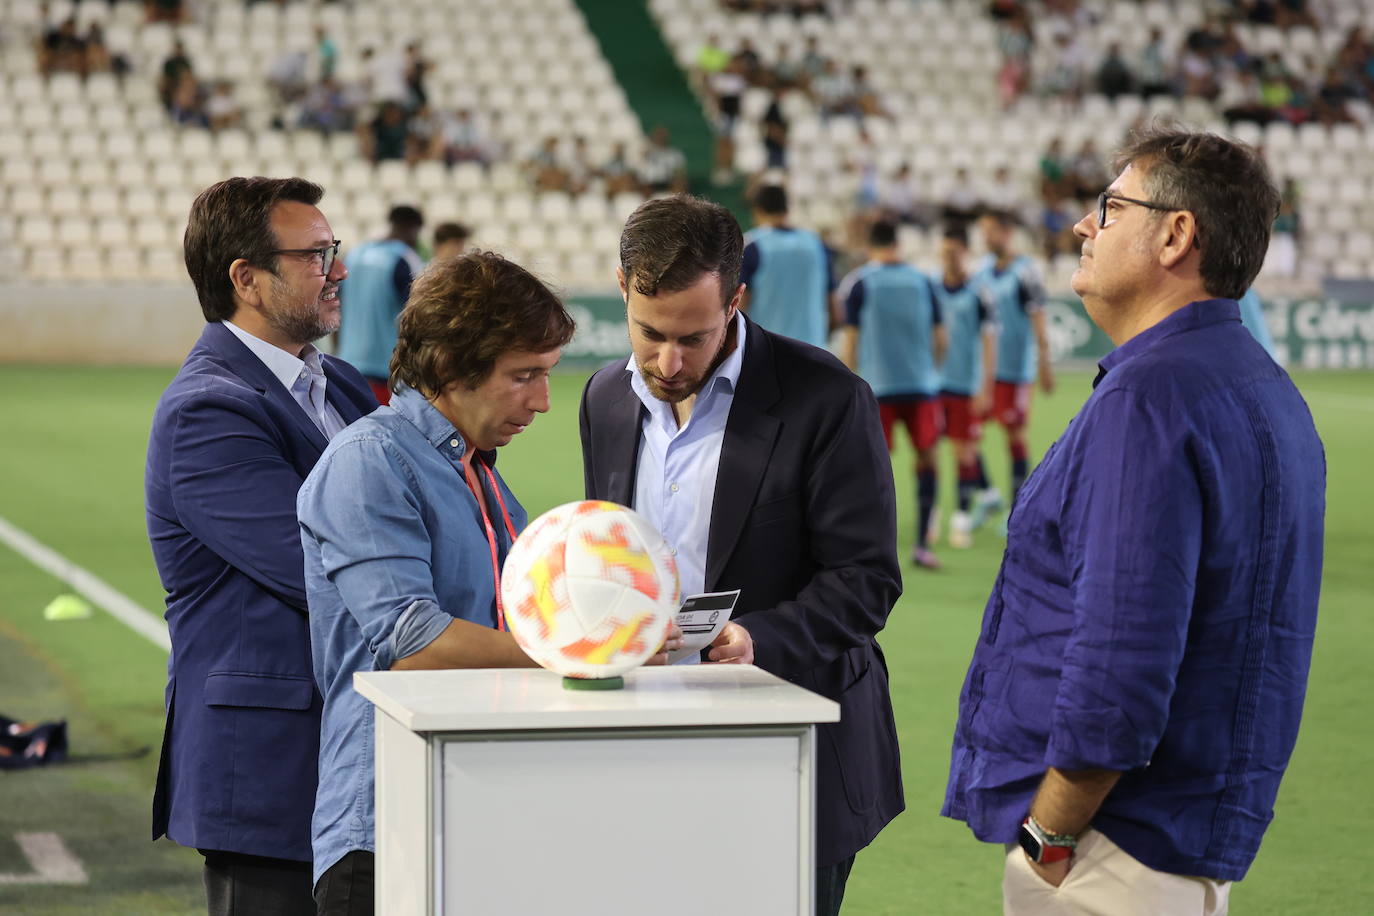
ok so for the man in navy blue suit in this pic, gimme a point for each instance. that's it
(234, 435)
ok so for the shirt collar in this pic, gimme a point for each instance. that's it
(425, 417)
(283, 366)
(1194, 315)
(433, 425)
(725, 378)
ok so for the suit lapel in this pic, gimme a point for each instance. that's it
(245, 363)
(750, 434)
(619, 447)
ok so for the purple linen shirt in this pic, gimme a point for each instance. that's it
(1156, 605)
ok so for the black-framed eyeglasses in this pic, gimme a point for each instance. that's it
(1107, 195)
(326, 255)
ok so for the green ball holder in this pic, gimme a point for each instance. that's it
(593, 683)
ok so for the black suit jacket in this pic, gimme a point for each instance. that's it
(804, 524)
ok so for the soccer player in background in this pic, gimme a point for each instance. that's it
(379, 276)
(1252, 316)
(786, 272)
(966, 377)
(450, 240)
(1023, 343)
(894, 339)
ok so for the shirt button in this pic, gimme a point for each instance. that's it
(673, 551)
(453, 443)
(673, 487)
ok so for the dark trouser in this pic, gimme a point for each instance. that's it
(830, 881)
(345, 888)
(237, 884)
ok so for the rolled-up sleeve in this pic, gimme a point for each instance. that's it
(361, 514)
(1132, 529)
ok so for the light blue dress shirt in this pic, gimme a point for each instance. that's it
(395, 549)
(675, 480)
(303, 378)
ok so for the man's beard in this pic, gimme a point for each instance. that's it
(296, 318)
(682, 394)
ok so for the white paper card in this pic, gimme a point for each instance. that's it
(701, 619)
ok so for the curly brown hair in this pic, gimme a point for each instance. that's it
(464, 313)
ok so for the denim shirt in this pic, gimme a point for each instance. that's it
(395, 549)
(1156, 605)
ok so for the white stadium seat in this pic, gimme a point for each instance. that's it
(529, 68)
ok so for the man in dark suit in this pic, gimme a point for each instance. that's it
(233, 437)
(761, 459)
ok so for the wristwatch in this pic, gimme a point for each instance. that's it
(1042, 846)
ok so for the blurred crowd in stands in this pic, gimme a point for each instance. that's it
(774, 7)
(62, 48)
(1211, 62)
(569, 167)
(722, 77)
(388, 108)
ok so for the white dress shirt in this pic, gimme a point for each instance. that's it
(675, 479)
(303, 378)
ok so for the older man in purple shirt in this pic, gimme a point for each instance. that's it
(1135, 693)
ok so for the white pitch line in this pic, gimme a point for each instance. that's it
(101, 594)
(52, 862)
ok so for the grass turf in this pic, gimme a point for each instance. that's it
(72, 462)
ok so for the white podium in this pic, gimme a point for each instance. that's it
(500, 793)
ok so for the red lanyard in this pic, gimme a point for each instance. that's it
(475, 485)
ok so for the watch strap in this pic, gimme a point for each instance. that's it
(1046, 847)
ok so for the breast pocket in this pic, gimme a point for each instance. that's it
(783, 509)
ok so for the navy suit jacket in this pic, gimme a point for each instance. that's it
(229, 449)
(804, 524)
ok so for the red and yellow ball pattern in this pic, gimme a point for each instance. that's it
(589, 589)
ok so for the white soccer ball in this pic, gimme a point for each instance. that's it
(589, 589)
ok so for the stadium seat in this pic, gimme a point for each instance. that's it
(481, 209)
(356, 175)
(429, 177)
(532, 236)
(393, 177)
(568, 238)
(93, 173)
(56, 172)
(86, 264)
(46, 263)
(36, 230)
(66, 201)
(47, 144)
(164, 264)
(18, 171)
(554, 207)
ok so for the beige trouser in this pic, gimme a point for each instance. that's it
(1105, 881)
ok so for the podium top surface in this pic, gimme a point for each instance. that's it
(516, 699)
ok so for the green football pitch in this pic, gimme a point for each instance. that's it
(71, 464)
